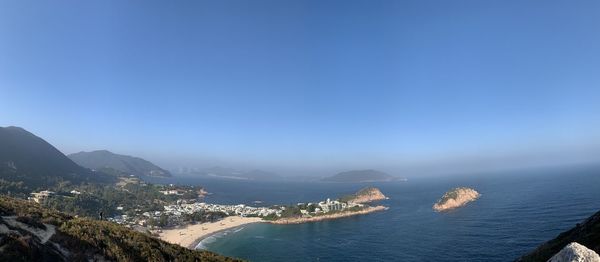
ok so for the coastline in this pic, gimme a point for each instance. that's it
(190, 235)
(300, 220)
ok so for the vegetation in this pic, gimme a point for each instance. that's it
(270, 217)
(291, 211)
(204, 216)
(86, 239)
(96, 198)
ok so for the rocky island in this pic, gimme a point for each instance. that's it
(456, 197)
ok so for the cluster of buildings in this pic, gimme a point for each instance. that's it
(172, 192)
(174, 213)
(328, 205)
(40, 197)
(325, 207)
(239, 210)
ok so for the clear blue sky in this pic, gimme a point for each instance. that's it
(303, 82)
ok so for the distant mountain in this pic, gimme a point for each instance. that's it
(27, 162)
(230, 173)
(355, 176)
(32, 233)
(103, 159)
(586, 233)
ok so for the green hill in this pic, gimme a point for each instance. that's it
(103, 159)
(28, 163)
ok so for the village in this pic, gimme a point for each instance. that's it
(184, 211)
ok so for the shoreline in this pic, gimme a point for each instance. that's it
(197, 242)
(190, 235)
(300, 220)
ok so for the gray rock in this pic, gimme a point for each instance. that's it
(575, 252)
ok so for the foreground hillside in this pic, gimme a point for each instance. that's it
(29, 232)
(586, 234)
(103, 159)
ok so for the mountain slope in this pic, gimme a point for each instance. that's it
(586, 234)
(32, 163)
(368, 175)
(127, 164)
(29, 232)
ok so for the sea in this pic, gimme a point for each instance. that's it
(518, 211)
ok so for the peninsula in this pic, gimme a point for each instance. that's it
(334, 215)
(346, 206)
(455, 198)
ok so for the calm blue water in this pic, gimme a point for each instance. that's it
(517, 212)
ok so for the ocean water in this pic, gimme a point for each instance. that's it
(518, 211)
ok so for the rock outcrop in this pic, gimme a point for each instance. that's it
(457, 197)
(365, 195)
(575, 252)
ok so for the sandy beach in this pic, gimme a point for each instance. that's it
(189, 236)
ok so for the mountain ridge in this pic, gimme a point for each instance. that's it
(126, 164)
(28, 162)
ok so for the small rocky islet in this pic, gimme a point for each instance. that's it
(455, 198)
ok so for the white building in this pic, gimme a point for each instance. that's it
(41, 196)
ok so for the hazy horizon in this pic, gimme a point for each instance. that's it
(308, 87)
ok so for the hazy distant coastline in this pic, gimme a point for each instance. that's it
(362, 176)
